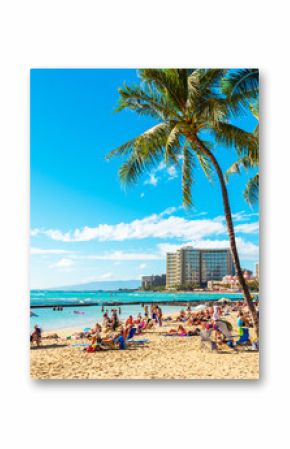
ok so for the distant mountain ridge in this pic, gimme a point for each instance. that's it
(101, 285)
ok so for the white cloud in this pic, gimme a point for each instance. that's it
(161, 166)
(247, 228)
(152, 226)
(105, 276)
(169, 211)
(162, 169)
(153, 180)
(247, 250)
(35, 232)
(159, 226)
(122, 255)
(42, 251)
(172, 172)
(63, 263)
(242, 215)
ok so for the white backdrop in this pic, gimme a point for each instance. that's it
(135, 34)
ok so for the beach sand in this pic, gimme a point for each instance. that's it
(162, 358)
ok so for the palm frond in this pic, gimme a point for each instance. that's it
(204, 162)
(131, 170)
(153, 139)
(173, 145)
(240, 81)
(244, 162)
(255, 109)
(168, 82)
(211, 78)
(233, 136)
(251, 193)
(144, 101)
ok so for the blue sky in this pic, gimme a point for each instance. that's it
(84, 225)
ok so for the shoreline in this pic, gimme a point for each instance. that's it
(181, 302)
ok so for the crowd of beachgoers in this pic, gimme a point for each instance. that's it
(210, 323)
(188, 344)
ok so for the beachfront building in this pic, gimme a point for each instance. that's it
(148, 282)
(229, 281)
(190, 266)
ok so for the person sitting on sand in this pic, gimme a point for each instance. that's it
(97, 344)
(138, 319)
(148, 323)
(119, 338)
(96, 330)
(182, 316)
(106, 321)
(36, 335)
(129, 320)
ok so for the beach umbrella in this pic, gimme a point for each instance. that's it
(224, 300)
(200, 307)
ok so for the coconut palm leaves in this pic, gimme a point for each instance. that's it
(248, 161)
(184, 103)
(242, 81)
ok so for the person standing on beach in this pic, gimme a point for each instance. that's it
(216, 313)
(146, 311)
(159, 316)
(152, 312)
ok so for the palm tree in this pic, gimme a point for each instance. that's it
(242, 81)
(186, 103)
(249, 160)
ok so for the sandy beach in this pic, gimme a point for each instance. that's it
(161, 358)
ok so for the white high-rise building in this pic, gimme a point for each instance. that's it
(192, 266)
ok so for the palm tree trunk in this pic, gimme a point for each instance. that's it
(231, 231)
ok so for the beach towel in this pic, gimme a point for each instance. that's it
(145, 340)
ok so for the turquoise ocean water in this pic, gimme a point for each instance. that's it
(48, 319)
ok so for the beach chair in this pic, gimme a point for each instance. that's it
(131, 333)
(130, 336)
(206, 341)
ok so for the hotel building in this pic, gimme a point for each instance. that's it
(153, 281)
(191, 266)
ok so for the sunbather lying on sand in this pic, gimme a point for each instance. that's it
(182, 332)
